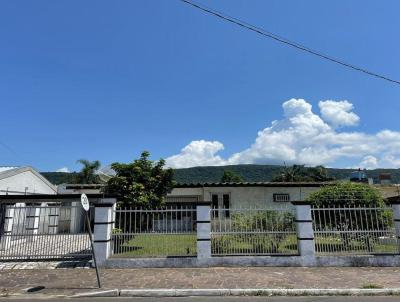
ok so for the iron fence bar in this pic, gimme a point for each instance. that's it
(354, 230)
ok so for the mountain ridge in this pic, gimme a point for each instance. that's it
(249, 173)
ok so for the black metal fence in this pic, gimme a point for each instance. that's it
(43, 231)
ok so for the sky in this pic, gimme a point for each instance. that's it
(107, 79)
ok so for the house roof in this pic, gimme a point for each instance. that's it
(53, 197)
(253, 184)
(15, 171)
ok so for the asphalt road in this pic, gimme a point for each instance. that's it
(217, 299)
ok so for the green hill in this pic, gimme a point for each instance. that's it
(263, 173)
(57, 178)
(250, 173)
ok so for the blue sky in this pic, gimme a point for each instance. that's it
(107, 79)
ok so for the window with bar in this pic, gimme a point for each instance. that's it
(221, 201)
(214, 203)
(281, 197)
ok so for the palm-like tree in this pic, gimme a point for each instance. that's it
(297, 173)
(87, 175)
(293, 173)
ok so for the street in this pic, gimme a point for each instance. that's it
(219, 299)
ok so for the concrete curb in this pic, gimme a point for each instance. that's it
(103, 293)
(240, 292)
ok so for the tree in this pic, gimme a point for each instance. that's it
(230, 176)
(294, 173)
(346, 194)
(319, 173)
(298, 173)
(141, 183)
(347, 207)
(87, 175)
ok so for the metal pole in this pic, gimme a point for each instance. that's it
(92, 245)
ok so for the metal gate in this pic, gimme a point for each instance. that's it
(43, 231)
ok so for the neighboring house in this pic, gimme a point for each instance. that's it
(245, 194)
(24, 181)
(25, 216)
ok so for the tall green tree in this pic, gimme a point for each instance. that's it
(142, 183)
(297, 173)
(293, 173)
(230, 176)
(87, 175)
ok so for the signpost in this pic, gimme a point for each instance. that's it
(85, 205)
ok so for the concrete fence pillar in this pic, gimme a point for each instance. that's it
(203, 230)
(305, 232)
(103, 221)
(396, 219)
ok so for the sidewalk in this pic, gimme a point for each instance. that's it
(67, 281)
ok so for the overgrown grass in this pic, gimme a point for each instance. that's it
(371, 286)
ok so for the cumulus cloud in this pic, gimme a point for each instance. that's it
(197, 153)
(63, 169)
(369, 162)
(338, 114)
(304, 137)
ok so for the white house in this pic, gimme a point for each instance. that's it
(24, 181)
(224, 195)
(245, 194)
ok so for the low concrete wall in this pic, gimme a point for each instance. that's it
(319, 261)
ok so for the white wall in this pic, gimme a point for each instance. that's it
(248, 196)
(24, 180)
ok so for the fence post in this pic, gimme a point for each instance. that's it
(203, 224)
(305, 232)
(103, 222)
(396, 219)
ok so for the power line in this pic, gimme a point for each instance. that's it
(283, 40)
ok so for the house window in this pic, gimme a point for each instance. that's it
(281, 197)
(214, 203)
(221, 201)
(226, 203)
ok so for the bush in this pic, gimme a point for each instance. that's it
(259, 232)
(347, 194)
(349, 207)
(263, 220)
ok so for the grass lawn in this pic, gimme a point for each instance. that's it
(334, 245)
(157, 245)
(164, 245)
(255, 244)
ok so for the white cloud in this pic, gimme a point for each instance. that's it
(338, 114)
(64, 169)
(369, 162)
(304, 137)
(197, 153)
